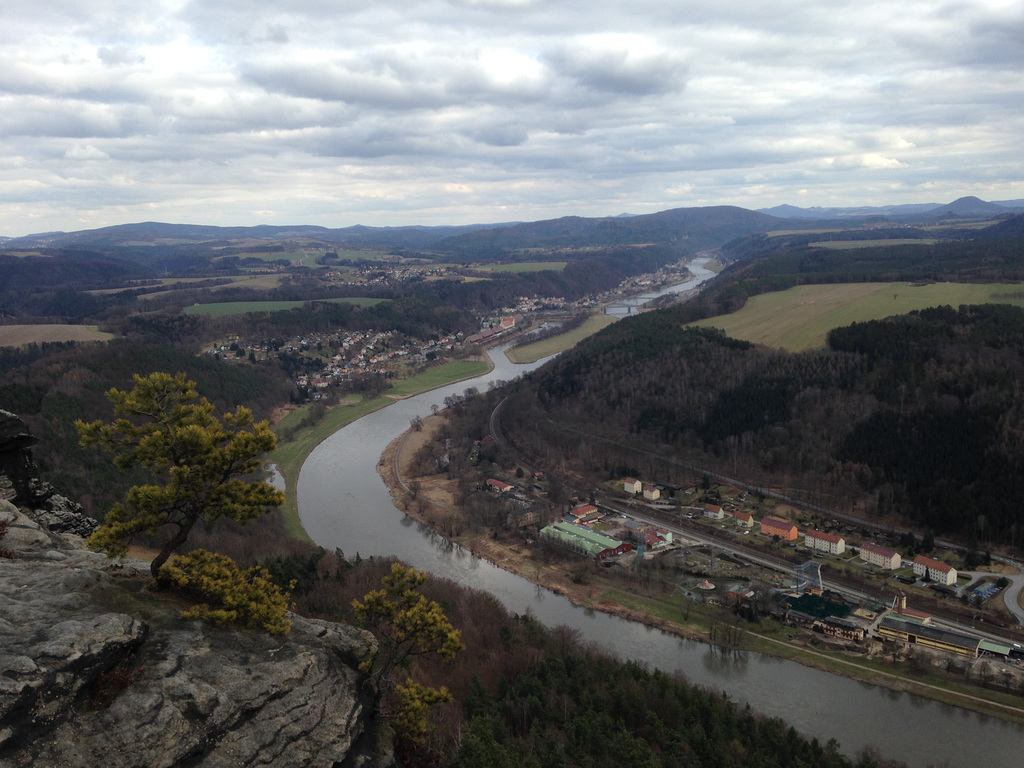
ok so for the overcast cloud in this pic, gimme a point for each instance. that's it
(395, 112)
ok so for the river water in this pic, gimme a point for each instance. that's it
(700, 274)
(343, 503)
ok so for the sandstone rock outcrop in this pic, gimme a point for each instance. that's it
(97, 670)
(20, 483)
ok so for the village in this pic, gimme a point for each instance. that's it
(635, 522)
(319, 361)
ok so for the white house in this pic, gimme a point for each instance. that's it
(825, 542)
(880, 556)
(714, 512)
(941, 573)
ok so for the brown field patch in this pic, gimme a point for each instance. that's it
(18, 335)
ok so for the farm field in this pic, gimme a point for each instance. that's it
(526, 266)
(846, 245)
(248, 281)
(799, 319)
(528, 353)
(294, 258)
(225, 308)
(17, 335)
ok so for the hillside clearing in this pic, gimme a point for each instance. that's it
(799, 319)
(525, 266)
(18, 335)
(225, 308)
(846, 245)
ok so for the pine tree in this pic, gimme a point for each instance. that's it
(202, 464)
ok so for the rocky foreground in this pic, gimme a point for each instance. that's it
(97, 670)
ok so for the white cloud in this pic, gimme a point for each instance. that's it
(482, 110)
(85, 152)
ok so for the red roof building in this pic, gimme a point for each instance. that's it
(825, 542)
(934, 570)
(880, 556)
(771, 526)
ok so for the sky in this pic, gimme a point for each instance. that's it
(397, 112)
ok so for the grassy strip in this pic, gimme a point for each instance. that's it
(529, 353)
(846, 245)
(433, 378)
(289, 456)
(525, 266)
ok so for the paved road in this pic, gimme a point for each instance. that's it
(1011, 595)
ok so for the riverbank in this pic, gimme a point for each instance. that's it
(290, 455)
(430, 502)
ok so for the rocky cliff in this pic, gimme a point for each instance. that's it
(97, 670)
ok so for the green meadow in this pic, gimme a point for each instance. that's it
(799, 319)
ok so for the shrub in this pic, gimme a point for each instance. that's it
(247, 597)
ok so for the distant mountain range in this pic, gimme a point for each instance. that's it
(965, 207)
(698, 225)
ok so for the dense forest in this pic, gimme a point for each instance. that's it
(918, 416)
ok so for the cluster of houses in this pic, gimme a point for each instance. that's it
(355, 353)
(924, 567)
(650, 491)
(820, 541)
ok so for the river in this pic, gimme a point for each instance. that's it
(699, 272)
(343, 503)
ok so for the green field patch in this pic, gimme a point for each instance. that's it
(525, 266)
(846, 245)
(799, 319)
(225, 308)
(529, 353)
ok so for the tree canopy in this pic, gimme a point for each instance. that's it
(203, 464)
(405, 622)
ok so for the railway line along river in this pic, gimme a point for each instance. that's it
(343, 503)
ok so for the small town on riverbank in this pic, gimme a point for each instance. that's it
(320, 363)
(717, 563)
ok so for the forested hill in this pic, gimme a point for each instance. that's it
(920, 416)
(690, 228)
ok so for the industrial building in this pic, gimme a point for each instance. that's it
(583, 540)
